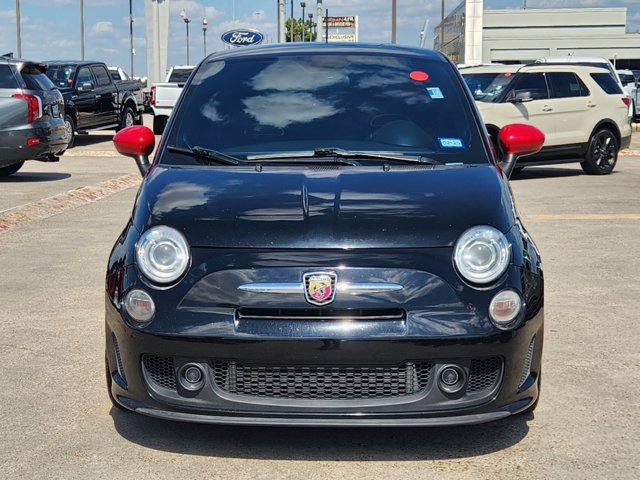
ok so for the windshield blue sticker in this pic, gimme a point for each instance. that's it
(450, 142)
(435, 92)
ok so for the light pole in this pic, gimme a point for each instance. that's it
(303, 4)
(18, 36)
(131, 36)
(292, 39)
(394, 6)
(204, 34)
(311, 27)
(81, 29)
(185, 17)
(442, 26)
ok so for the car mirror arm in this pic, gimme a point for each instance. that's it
(142, 162)
(508, 163)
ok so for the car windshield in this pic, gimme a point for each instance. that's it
(180, 75)
(487, 87)
(61, 75)
(249, 107)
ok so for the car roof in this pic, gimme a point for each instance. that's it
(572, 59)
(79, 63)
(307, 48)
(534, 67)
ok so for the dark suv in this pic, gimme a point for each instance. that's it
(31, 115)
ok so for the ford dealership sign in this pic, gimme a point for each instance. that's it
(241, 37)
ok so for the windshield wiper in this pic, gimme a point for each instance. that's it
(206, 155)
(338, 153)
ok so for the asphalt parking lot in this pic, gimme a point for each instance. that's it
(57, 225)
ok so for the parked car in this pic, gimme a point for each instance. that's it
(630, 87)
(581, 110)
(165, 95)
(589, 61)
(93, 101)
(31, 111)
(331, 245)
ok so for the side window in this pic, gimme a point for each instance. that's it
(566, 84)
(532, 86)
(102, 76)
(84, 75)
(607, 83)
(7, 79)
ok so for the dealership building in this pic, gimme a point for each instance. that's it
(473, 35)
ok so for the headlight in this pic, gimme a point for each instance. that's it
(482, 254)
(162, 253)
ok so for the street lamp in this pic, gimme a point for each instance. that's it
(18, 37)
(131, 36)
(303, 4)
(185, 17)
(311, 27)
(204, 34)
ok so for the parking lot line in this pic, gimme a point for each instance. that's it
(56, 204)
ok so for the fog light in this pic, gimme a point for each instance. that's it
(140, 307)
(191, 376)
(449, 376)
(452, 378)
(505, 308)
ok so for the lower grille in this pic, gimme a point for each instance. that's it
(116, 349)
(526, 370)
(161, 370)
(321, 383)
(484, 373)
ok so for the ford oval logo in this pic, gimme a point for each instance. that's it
(241, 37)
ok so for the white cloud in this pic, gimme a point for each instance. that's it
(102, 28)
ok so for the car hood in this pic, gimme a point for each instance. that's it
(324, 207)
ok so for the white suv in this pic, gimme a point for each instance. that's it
(581, 110)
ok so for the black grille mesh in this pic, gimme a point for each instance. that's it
(161, 370)
(321, 383)
(484, 373)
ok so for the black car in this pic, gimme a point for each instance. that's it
(325, 238)
(93, 101)
(31, 115)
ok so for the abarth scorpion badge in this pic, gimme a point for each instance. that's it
(320, 287)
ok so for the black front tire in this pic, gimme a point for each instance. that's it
(159, 122)
(70, 127)
(128, 118)
(602, 153)
(10, 169)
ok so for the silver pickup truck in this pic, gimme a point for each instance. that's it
(164, 95)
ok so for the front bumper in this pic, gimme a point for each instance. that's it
(144, 389)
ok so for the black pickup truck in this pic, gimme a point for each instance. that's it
(92, 100)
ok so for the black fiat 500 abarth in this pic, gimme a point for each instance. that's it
(325, 237)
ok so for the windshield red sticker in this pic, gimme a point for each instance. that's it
(419, 76)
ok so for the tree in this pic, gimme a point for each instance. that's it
(298, 27)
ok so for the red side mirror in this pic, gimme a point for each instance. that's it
(520, 139)
(137, 142)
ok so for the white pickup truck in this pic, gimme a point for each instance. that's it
(164, 95)
(631, 88)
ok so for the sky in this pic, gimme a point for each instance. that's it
(50, 29)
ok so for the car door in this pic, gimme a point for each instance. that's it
(572, 104)
(106, 96)
(527, 101)
(84, 97)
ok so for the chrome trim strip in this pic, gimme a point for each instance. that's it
(352, 288)
(377, 287)
(315, 317)
(272, 287)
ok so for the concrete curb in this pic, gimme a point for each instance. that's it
(48, 207)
